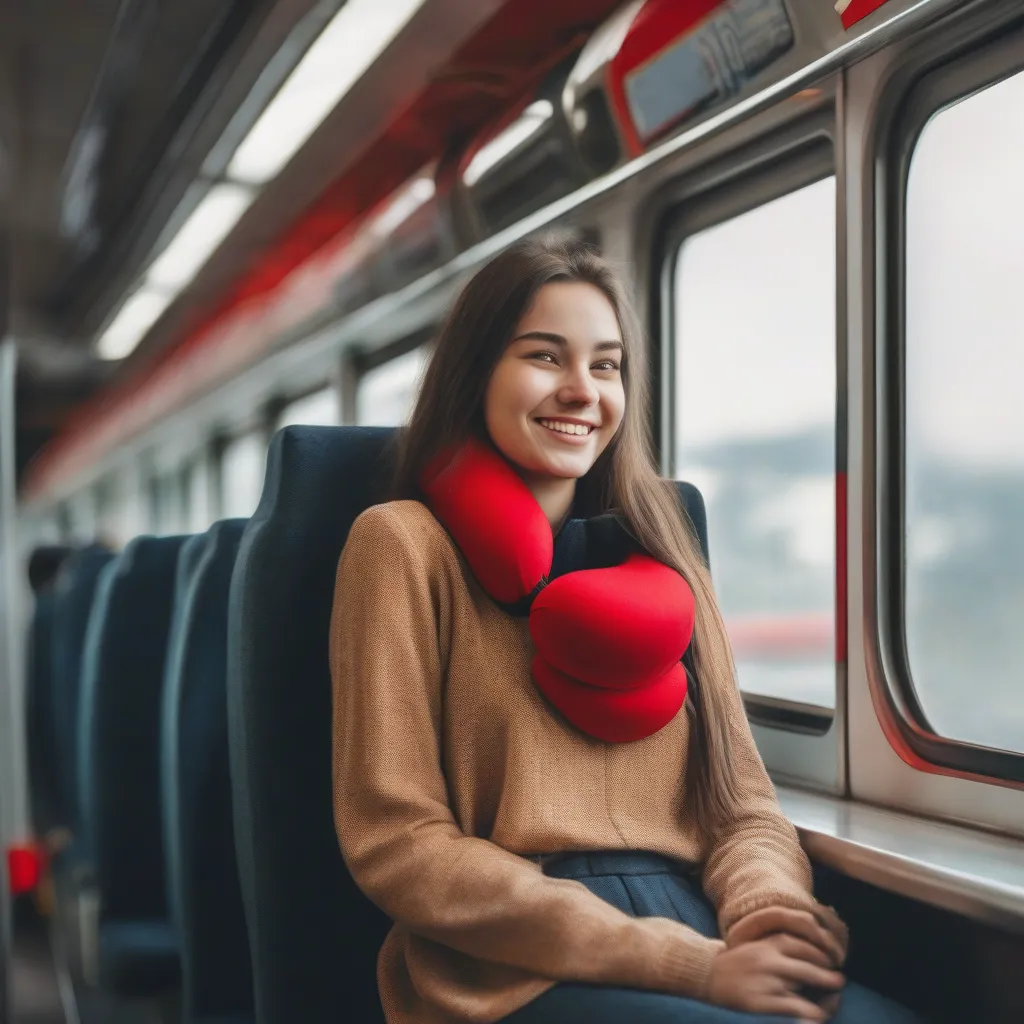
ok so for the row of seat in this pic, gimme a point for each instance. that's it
(131, 709)
(190, 681)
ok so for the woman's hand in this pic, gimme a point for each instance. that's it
(800, 924)
(766, 976)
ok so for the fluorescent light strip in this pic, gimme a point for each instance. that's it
(198, 238)
(133, 320)
(533, 118)
(351, 42)
(404, 205)
(604, 43)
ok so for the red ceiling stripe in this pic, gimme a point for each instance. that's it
(503, 60)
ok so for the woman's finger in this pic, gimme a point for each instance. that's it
(793, 1006)
(811, 975)
(834, 925)
(801, 949)
(804, 926)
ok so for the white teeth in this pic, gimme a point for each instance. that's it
(566, 428)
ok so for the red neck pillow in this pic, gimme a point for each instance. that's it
(608, 641)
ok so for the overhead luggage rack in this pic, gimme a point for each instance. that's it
(522, 163)
(657, 64)
(416, 227)
(405, 237)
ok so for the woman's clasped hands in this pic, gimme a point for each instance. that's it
(779, 961)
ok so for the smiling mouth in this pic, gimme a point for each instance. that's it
(572, 429)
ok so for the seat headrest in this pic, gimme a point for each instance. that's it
(314, 936)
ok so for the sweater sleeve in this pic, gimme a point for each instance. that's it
(395, 827)
(756, 861)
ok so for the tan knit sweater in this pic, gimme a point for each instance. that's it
(450, 770)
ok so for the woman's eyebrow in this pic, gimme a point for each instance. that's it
(555, 339)
(558, 339)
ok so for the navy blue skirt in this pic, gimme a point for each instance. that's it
(648, 885)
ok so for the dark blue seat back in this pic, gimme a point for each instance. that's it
(40, 727)
(122, 688)
(73, 594)
(314, 936)
(189, 557)
(693, 504)
(206, 900)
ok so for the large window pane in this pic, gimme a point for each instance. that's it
(319, 409)
(387, 393)
(82, 516)
(200, 511)
(964, 446)
(166, 503)
(242, 469)
(755, 430)
(123, 512)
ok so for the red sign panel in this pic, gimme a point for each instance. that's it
(851, 11)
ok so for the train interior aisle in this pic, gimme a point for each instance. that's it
(35, 983)
(230, 234)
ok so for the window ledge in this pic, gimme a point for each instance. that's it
(949, 866)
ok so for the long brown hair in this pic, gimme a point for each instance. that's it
(450, 409)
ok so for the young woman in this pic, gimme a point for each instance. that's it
(564, 823)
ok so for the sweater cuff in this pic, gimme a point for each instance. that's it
(826, 916)
(685, 965)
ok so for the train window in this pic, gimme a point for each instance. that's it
(243, 465)
(199, 496)
(82, 516)
(963, 461)
(104, 496)
(166, 505)
(386, 394)
(755, 400)
(122, 515)
(39, 529)
(319, 409)
(64, 519)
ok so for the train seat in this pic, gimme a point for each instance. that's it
(40, 731)
(314, 936)
(206, 902)
(73, 596)
(40, 735)
(119, 767)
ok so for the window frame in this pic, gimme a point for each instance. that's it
(363, 362)
(937, 85)
(252, 430)
(284, 401)
(740, 186)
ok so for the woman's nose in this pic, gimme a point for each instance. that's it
(578, 388)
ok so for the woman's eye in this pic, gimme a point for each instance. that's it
(544, 356)
(607, 366)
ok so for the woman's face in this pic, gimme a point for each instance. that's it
(556, 398)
